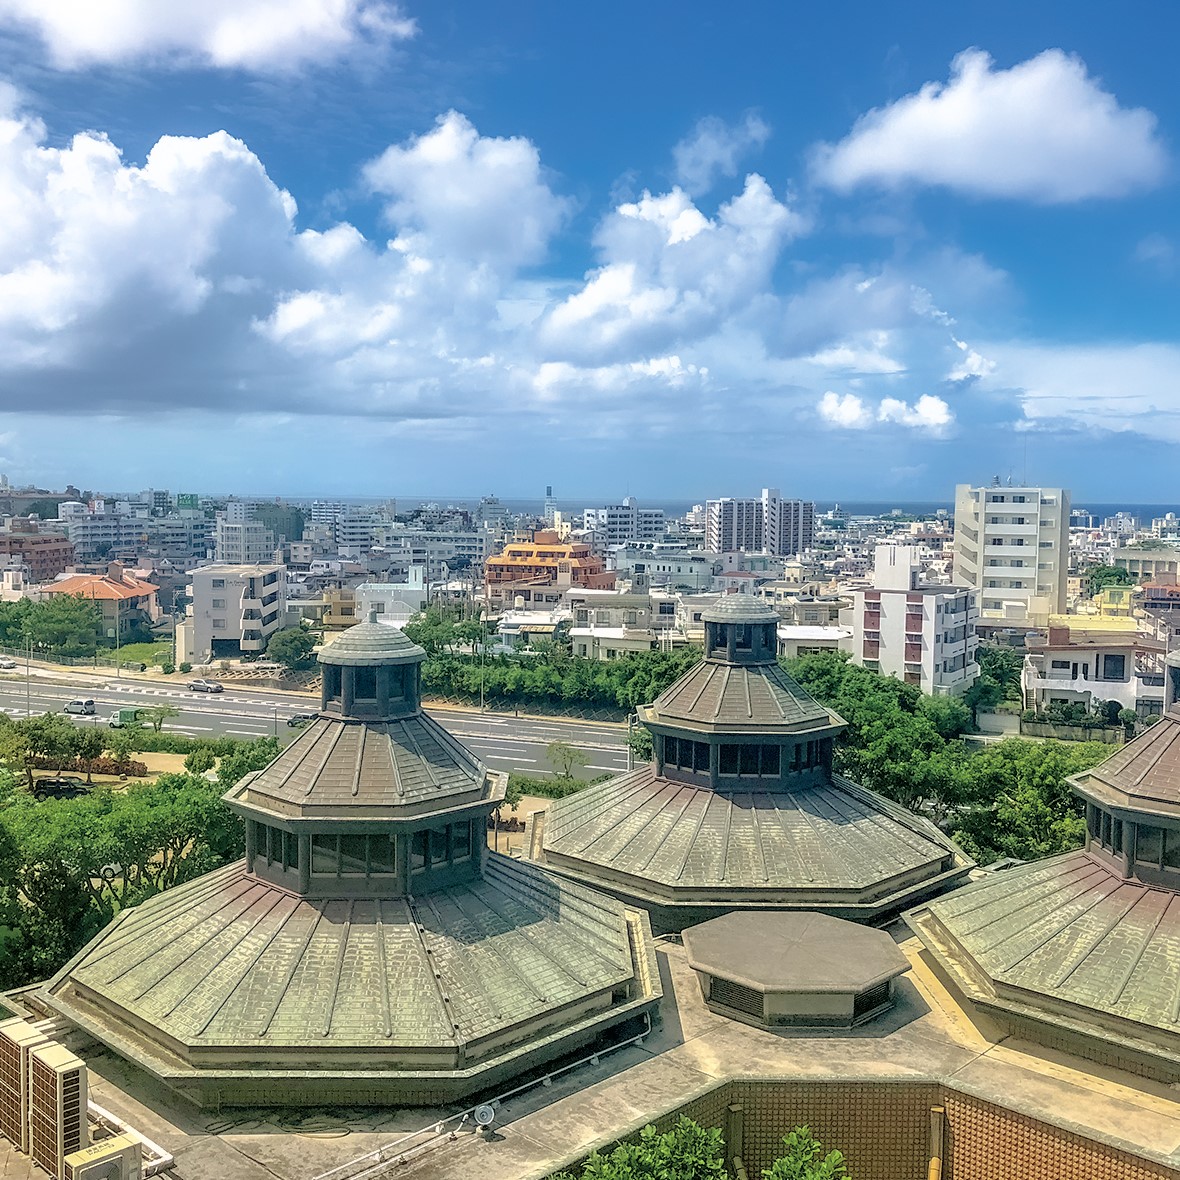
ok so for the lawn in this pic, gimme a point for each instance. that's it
(140, 653)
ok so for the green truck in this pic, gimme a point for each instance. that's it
(126, 719)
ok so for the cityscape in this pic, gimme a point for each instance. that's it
(589, 593)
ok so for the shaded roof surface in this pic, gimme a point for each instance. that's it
(101, 586)
(794, 951)
(371, 643)
(830, 836)
(228, 960)
(1147, 769)
(740, 696)
(739, 608)
(1070, 929)
(351, 766)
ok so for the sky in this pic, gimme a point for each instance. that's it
(673, 250)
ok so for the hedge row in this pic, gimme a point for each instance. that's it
(95, 765)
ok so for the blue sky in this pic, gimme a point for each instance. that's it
(341, 246)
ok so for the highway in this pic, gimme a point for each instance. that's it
(501, 741)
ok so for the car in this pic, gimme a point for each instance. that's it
(62, 786)
(301, 719)
(205, 686)
(7, 663)
(80, 708)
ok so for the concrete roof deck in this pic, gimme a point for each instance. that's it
(930, 1035)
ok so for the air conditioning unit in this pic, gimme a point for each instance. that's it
(120, 1158)
(17, 1039)
(57, 1107)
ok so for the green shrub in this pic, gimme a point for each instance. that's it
(168, 668)
(185, 666)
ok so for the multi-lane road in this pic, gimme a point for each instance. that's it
(502, 741)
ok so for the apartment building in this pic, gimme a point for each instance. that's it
(441, 551)
(672, 566)
(767, 524)
(242, 542)
(543, 566)
(1012, 546)
(123, 600)
(44, 554)
(1148, 565)
(924, 635)
(98, 535)
(234, 610)
(607, 625)
(625, 523)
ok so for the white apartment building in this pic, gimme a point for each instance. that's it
(607, 625)
(434, 549)
(924, 635)
(238, 540)
(768, 524)
(1012, 546)
(235, 609)
(99, 535)
(621, 524)
(664, 565)
(396, 603)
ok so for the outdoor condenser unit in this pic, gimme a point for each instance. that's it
(17, 1040)
(57, 1107)
(119, 1158)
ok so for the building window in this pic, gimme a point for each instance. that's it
(325, 856)
(218, 583)
(218, 624)
(438, 846)
(218, 603)
(418, 851)
(1114, 667)
(353, 860)
(365, 683)
(1148, 844)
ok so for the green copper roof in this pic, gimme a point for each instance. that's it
(739, 608)
(368, 769)
(671, 838)
(1068, 938)
(749, 698)
(230, 962)
(369, 644)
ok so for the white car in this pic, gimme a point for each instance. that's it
(205, 686)
(7, 663)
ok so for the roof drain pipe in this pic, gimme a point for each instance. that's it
(937, 1135)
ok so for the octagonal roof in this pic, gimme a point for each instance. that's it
(793, 952)
(371, 643)
(231, 962)
(739, 608)
(1142, 775)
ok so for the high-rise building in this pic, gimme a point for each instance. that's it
(768, 524)
(242, 542)
(550, 505)
(1012, 545)
(621, 523)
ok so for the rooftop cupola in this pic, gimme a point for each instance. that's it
(740, 630)
(372, 673)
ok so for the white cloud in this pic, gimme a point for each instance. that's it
(671, 274)
(869, 356)
(714, 149)
(1043, 130)
(256, 35)
(850, 412)
(1104, 387)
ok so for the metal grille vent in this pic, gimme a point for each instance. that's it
(736, 996)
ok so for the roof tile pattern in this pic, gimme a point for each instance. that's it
(1071, 929)
(739, 696)
(350, 764)
(1146, 769)
(831, 836)
(227, 960)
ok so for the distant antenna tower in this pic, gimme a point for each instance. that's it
(995, 481)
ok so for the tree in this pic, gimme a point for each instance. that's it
(51, 737)
(245, 758)
(565, 758)
(292, 647)
(65, 624)
(641, 745)
(1003, 665)
(1128, 719)
(89, 743)
(804, 1159)
(200, 760)
(984, 693)
(1101, 576)
(156, 715)
(687, 1152)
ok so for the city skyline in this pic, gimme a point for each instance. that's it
(367, 239)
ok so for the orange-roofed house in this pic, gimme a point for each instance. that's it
(124, 599)
(541, 570)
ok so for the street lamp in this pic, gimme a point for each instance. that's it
(483, 654)
(113, 633)
(630, 748)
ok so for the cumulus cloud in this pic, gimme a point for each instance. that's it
(714, 149)
(670, 273)
(256, 35)
(455, 192)
(1043, 131)
(869, 356)
(849, 412)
